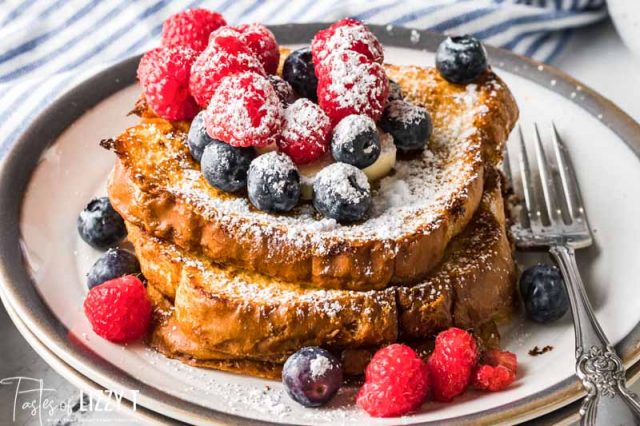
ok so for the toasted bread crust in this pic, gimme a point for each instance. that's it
(245, 314)
(478, 268)
(138, 190)
(205, 315)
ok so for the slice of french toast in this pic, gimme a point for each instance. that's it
(222, 317)
(416, 211)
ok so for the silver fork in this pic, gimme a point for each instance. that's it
(554, 218)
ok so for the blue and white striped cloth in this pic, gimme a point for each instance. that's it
(47, 46)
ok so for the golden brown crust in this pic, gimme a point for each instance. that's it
(211, 321)
(478, 269)
(138, 190)
(426, 87)
(243, 313)
(167, 338)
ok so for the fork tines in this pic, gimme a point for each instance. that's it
(548, 187)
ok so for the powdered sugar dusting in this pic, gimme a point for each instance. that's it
(304, 121)
(232, 116)
(405, 112)
(267, 400)
(273, 164)
(353, 37)
(226, 54)
(348, 83)
(350, 127)
(249, 290)
(415, 37)
(431, 183)
(282, 88)
(337, 178)
(262, 43)
(396, 192)
(319, 366)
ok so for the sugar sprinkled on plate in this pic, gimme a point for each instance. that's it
(415, 37)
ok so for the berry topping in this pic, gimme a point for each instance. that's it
(283, 89)
(506, 359)
(351, 84)
(493, 378)
(191, 28)
(198, 139)
(244, 111)
(452, 363)
(346, 34)
(119, 310)
(312, 376)
(305, 132)
(263, 44)
(226, 54)
(164, 75)
(396, 382)
(299, 71)
(100, 225)
(355, 141)
(395, 92)
(273, 183)
(410, 125)
(341, 191)
(461, 59)
(114, 263)
(544, 294)
(497, 372)
(225, 167)
(386, 161)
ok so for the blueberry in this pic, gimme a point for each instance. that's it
(355, 141)
(198, 139)
(409, 124)
(283, 89)
(544, 294)
(100, 225)
(461, 59)
(225, 167)
(312, 376)
(273, 183)
(112, 264)
(395, 92)
(299, 71)
(341, 191)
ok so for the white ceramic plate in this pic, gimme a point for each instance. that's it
(74, 169)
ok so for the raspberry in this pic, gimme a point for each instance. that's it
(452, 362)
(244, 111)
(351, 84)
(396, 382)
(346, 34)
(191, 28)
(498, 372)
(119, 310)
(305, 132)
(504, 358)
(164, 75)
(226, 54)
(492, 378)
(263, 44)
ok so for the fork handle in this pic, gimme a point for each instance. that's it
(608, 401)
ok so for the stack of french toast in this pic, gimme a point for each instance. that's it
(239, 289)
